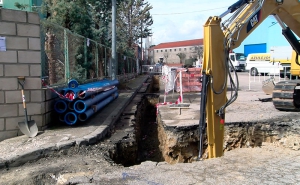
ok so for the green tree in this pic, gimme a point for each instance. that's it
(197, 52)
(91, 19)
(21, 6)
(73, 15)
(181, 57)
(134, 21)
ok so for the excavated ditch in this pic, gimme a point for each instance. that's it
(141, 135)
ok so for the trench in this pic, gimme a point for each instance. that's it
(149, 139)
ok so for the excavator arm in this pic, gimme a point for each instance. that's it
(221, 37)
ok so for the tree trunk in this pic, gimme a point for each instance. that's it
(49, 48)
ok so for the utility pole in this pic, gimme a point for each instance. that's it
(113, 61)
(142, 56)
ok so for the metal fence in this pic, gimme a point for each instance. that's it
(279, 75)
(152, 69)
(67, 56)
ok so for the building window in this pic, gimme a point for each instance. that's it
(156, 51)
(184, 49)
(161, 50)
(166, 50)
(170, 49)
(174, 49)
(179, 49)
(190, 48)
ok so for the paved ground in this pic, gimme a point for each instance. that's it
(269, 164)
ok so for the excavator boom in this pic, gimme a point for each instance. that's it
(220, 37)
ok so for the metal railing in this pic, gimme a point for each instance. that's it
(152, 69)
(280, 75)
(69, 56)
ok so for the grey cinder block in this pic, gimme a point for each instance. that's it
(8, 28)
(8, 57)
(8, 110)
(13, 15)
(16, 43)
(15, 96)
(33, 18)
(28, 30)
(32, 109)
(8, 84)
(29, 57)
(35, 70)
(16, 70)
(34, 43)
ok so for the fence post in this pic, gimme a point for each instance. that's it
(85, 57)
(97, 61)
(105, 66)
(67, 67)
(137, 66)
(128, 66)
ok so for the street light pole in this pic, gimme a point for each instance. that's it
(114, 64)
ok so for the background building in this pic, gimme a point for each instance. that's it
(180, 52)
(30, 4)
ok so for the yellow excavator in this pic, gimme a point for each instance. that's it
(220, 37)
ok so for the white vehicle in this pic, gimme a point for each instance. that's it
(283, 55)
(260, 63)
(238, 61)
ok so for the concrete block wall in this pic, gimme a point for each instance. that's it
(22, 58)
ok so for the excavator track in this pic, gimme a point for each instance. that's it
(286, 95)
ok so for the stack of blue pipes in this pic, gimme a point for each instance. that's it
(80, 102)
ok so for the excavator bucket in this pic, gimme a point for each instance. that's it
(268, 85)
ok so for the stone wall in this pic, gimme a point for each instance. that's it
(21, 58)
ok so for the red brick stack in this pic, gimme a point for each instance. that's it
(190, 80)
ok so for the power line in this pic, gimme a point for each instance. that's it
(188, 12)
(273, 23)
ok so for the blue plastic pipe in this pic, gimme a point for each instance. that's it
(71, 105)
(85, 115)
(70, 118)
(94, 86)
(73, 84)
(81, 106)
(60, 106)
(94, 90)
(61, 117)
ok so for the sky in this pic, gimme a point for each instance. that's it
(177, 20)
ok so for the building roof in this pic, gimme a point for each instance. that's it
(194, 42)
